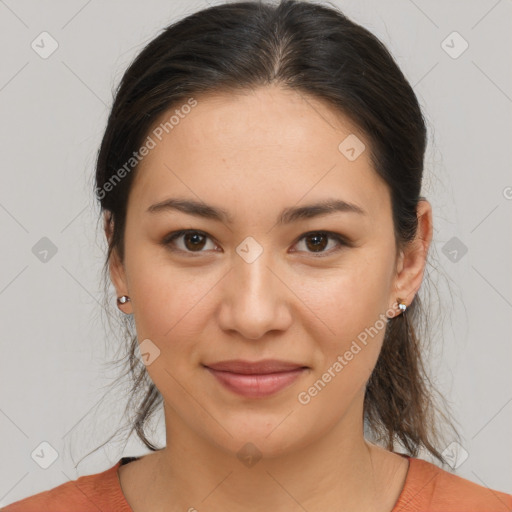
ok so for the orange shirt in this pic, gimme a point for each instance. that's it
(427, 488)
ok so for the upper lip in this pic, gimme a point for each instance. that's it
(262, 367)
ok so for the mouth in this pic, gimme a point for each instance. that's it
(256, 379)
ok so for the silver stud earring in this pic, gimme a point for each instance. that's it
(123, 299)
(401, 305)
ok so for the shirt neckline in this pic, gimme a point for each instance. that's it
(406, 496)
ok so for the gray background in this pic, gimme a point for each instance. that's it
(53, 111)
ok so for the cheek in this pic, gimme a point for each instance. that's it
(344, 360)
(352, 303)
(169, 301)
(352, 297)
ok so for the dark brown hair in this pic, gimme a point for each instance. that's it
(317, 51)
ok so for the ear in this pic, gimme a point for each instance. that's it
(412, 261)
(116, 267)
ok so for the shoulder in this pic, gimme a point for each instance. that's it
(100, 491)
(429, 487)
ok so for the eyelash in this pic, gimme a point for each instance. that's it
(167, 241)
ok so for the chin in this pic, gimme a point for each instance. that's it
(262, 438)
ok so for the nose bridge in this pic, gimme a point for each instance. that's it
(253, 278)
(254, 299)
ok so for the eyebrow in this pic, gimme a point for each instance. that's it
(287, 216)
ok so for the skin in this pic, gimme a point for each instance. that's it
(254, 154)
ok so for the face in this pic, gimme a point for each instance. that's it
(247, 282)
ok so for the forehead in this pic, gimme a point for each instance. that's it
(268, 142)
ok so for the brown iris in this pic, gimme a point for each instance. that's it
(197, 241)
(317, 245)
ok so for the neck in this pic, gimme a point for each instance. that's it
(340, 468)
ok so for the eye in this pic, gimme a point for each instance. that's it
(317, 241)
(193, 240)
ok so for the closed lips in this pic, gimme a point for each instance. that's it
(255, 380)
(263, 367)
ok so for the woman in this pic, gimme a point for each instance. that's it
(260, 179)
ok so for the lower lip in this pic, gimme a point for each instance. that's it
(257, 385)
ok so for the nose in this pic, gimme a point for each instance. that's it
(255, 298)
